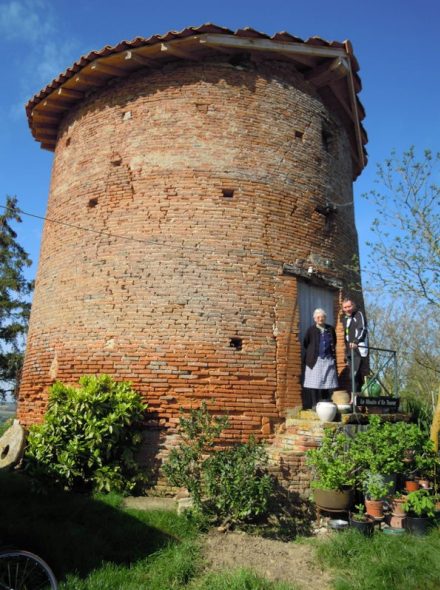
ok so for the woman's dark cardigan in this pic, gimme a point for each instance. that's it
(311, 344)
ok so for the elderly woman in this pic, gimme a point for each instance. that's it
(320, 358)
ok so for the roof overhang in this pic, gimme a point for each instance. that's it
(330, 67)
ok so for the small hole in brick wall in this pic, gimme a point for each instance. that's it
(228, 193)
(236, 343)
(68, 140)
(92, 203)
(299, 134)
(327, 138)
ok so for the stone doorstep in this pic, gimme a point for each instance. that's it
(150, 503)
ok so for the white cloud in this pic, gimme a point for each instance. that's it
(44, 52)
(25, 20)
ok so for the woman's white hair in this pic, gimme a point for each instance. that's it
(319, 311)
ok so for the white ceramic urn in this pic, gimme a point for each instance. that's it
(326, 411)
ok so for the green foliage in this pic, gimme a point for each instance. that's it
(427, 462)
(236, 484)
(332, 463)
(382, 447)
(420, 409)
(359, 513)
(376, 487)
(89, 436)
(228, 485)
(420, 503)
(198, 432)
(14, 301)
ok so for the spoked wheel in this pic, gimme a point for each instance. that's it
(22, 570)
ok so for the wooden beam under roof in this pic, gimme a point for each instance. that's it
(328, 72)
(43, 117)
(292, 49)
(87, 80)
(137, 58)
(70, 93)
(100, 67)
(48, 145)
(172, 48)
(45, 136)
(52, 105)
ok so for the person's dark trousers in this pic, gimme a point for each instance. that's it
(360, 369)
(313, 396)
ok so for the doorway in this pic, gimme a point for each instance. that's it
(310, 297)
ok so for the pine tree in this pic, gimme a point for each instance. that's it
(14, 298)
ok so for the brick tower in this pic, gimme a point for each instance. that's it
(200, 206)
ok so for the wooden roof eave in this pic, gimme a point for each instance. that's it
(325, 64)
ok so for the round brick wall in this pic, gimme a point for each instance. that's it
(197, 183)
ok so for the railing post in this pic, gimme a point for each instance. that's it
(353, 376)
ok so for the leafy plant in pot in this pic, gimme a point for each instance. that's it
(361, 521)
(333, 471)
(427, 465)
(420, 509)
(383, 446)
(376, 489)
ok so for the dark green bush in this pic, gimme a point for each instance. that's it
(229, 485)
(185, 464)
(89, 437)
(236, 484)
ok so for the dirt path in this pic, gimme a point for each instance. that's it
(274, 560)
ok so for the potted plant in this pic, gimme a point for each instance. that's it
(333, 471)
(376, 489)
(361, 521)
(397, 504)
(420, 509)
(384, 448)
(426, 464)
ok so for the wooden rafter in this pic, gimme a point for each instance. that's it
(300, 49)
(177, 51)
(328, 72)
(100, 67)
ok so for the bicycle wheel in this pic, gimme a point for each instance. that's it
(23, 570)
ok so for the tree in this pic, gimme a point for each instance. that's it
(14, 298)
(405, 245)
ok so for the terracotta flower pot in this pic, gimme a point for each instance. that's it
(397, 521)
(411, 486)
(374, 508)
(397, 507)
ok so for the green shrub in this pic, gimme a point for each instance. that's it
(89, 436)
(198, 432)
(229, 485)
(332, 462)
(384, 446)
(236, 484)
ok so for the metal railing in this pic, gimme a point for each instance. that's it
(388, 360)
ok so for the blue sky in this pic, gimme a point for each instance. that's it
(395, 42)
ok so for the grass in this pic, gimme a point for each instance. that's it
(383, 562)
(93, 544)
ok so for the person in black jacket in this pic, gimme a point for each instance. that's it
(320, 376)
(356, 339)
